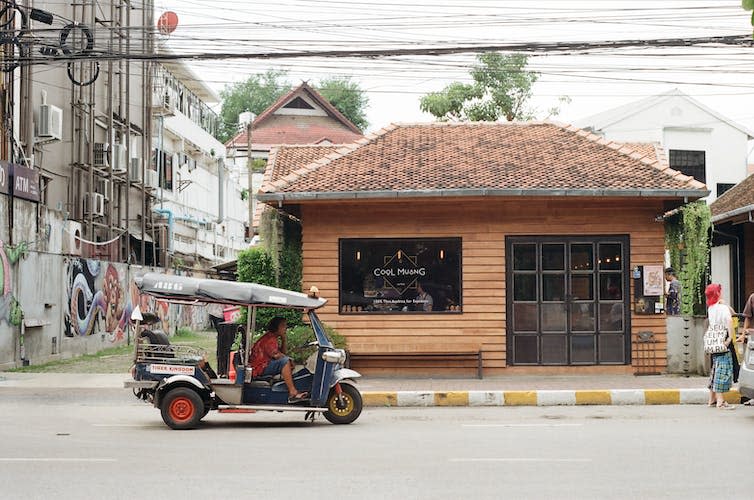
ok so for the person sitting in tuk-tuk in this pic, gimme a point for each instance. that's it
(268, 357)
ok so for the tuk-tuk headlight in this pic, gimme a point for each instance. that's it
(334, 356)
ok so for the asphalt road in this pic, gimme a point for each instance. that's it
(104, 444)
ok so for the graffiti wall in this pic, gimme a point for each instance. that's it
(52, 306)
(10, 310)
(101, 297)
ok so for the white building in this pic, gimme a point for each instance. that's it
(199, 198)
(696, 139)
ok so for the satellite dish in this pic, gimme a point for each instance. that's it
(168, 22)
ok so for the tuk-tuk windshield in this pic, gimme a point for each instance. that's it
(319, 330)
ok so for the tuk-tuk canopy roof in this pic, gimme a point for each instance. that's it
(181, 288)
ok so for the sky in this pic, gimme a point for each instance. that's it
(720, 77)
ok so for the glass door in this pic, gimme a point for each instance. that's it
(567, 301)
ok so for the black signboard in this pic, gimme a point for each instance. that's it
(24, 182)
(4, 177)
(400, 275)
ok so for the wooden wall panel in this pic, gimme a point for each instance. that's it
(483, 225)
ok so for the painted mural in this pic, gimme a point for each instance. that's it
(101, 297)
(10, 309)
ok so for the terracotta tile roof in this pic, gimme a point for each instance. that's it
(300, 133)
(477, 158)
(738, 197)
(265, 137)
(286, 159)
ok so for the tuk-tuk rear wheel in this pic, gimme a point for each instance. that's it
(182, 408)
(350, 407)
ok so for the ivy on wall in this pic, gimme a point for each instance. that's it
(687, 238)
(276, 262)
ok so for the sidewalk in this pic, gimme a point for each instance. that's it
(491, 391)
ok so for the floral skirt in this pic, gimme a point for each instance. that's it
(721, 374)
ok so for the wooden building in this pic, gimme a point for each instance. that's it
(524, 241)
(733, 220)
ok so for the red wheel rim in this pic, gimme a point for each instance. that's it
(181, 409)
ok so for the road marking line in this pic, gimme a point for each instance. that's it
(118, 425)
(532, 460)
(521, 425)
(43, 459)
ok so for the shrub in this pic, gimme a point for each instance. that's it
(299, 336)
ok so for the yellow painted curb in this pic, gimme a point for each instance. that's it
(593, 398)
(520, 398)
(662, 396)
(379, 398)
(452, 398)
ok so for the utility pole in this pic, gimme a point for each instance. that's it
(250, 173)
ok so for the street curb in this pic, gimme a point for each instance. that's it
(542, 398)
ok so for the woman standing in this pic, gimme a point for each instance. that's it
(721, 376)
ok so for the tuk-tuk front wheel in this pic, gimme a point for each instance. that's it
(182, 408)
(346, 408)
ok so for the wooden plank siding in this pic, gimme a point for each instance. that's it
(483, 225)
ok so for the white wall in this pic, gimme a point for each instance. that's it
(195, 197)
(678, 123)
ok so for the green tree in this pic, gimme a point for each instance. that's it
(255, 94)
(748, 5)
(348, 97)
(501, 88)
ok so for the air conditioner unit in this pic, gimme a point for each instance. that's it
(94, 204)
(105, 188)
(100, 154)
(50, 125)
(72, 234)
(119, 158)
(134, 171)
(152, 178)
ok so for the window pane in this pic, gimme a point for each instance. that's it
(612, 348)
(553, 257)
(553, 287)
(611, 286)
(610, 256)
(582, 349)
(525, 317)
(525, 257)
(554, 350)
(553, 318)
(525, 349)
(582, 287)
(525, 287)
(582, 317)
(611, 317)
(582, 257)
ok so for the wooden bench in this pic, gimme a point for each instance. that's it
(440, 352)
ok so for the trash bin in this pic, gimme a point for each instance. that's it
(226, 334)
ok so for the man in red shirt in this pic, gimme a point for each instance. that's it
(268, 357)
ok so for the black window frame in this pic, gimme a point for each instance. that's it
(690, 162)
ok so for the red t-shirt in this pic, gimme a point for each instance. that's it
(262, 352)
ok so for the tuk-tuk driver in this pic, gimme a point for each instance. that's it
(268, 357)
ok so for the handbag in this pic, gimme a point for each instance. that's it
(714, 339)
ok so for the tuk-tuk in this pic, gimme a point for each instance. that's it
(176, 379)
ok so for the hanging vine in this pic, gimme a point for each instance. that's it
(687, 240)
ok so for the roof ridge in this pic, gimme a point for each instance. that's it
(625, 150)
(284, 182)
